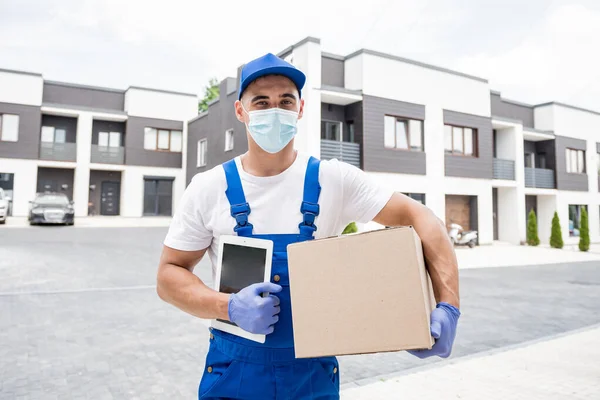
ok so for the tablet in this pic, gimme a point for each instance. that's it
(242, 262)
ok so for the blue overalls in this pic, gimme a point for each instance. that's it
(237, 368)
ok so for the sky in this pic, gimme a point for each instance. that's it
(532, 51)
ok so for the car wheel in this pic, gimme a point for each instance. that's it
(471, 244)
(2, 222)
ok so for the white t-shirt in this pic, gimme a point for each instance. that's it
(347, 195)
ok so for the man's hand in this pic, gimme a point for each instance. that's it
(443, 329)
(252, 312)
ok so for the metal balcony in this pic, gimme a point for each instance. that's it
(58, 151)
(504, 169)
(539, 178)
(343, 151)
(108, 155)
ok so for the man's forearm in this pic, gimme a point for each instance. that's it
(181, 288)
(439, 255)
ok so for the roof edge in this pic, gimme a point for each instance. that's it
(558, 103)
(332, 56)
(162, 91)
(414, 62)
(14, 71)
(76, 85)
(298, 44)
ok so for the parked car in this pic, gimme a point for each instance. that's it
(3, 206)
(51, 208)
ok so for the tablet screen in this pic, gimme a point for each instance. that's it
(241, 266)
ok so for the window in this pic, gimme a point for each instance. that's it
(9, 127)
(598, 162)
(51, 134)
(109, 139)
(229, 140)
(575, 218)
(575, 161)
(331, 130)
(162, 140)
(460, 140)
(404, 134)
(201, 156)
(420, 197)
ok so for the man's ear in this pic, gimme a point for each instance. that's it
(239, 111)
(301, 111)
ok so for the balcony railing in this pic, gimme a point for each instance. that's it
(539, 178)
(108, 155)
(504, 169)
(58, 151)
(343, 151)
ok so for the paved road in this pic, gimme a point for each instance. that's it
(79, 317)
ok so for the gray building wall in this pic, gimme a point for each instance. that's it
(56, 177)
(564, 180)
(67, 94)
(135, 154)
(28, 145)
(332, 71)
(512, 110)
(471, 167)
(212, 126)
(107, 126)
(377, 158)
(67, 123)
(96, 178)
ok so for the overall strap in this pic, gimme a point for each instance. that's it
(310, 202)
(240, 209)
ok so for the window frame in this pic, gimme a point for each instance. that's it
(341, 125)
(569, 153)
(407, 130)
(475, 144)
(2, 115)
(229, 133)
(202, 156)
(156, 148)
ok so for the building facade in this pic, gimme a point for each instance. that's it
(113, 152)
(442, 137)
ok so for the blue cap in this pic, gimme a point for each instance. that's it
(270, 64)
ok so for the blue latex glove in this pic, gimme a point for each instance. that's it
(443, 329)
(252, 312)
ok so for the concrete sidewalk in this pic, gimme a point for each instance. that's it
(566, 367)
(507, 255)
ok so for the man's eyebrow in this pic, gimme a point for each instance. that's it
(256, 98)
(290, 95)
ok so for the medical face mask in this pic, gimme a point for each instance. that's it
(272, 129)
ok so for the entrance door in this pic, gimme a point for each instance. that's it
(110, 198)
(530, 204)
(158, 196)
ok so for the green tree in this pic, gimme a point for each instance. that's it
(532, 230)
(584, 231)
(211, 92)
(351, 228)
(556, 239)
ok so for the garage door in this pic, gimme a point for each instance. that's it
(458, 211)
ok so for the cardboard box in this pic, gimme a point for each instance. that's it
(362, 293)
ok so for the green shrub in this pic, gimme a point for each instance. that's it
(556, 239)
(532, 230)
(351, 228)
(584, 231)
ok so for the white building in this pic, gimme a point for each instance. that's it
(113, 152)
(441, 136)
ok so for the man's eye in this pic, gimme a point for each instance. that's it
(287, 102)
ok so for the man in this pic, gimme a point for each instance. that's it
(276, 193)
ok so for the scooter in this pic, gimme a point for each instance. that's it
(459, 237)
